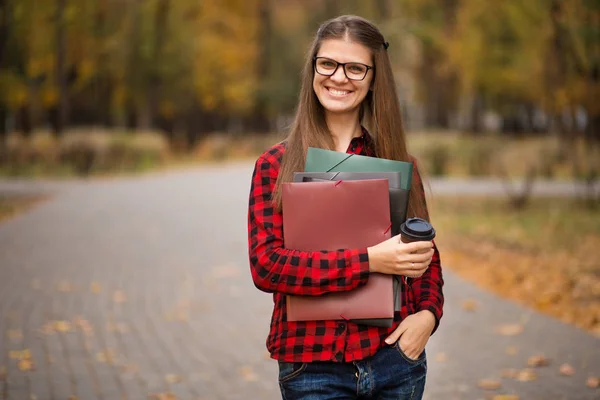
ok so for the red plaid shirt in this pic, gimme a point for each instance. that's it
(282, 272)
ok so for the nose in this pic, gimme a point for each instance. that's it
(339, 75)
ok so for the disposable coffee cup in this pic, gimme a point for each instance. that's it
(416, 230)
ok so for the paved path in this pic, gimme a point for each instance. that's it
(123, 288)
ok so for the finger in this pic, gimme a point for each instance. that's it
(419, 257)
(419, 246)
(393, 338)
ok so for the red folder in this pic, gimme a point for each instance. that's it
(339, 215)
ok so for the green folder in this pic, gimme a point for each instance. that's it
(320, 160)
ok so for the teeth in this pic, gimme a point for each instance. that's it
(338, 92)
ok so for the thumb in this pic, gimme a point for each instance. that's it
(393, 338)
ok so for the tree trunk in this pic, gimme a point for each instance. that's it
(259, 121)
(61, 79)
(161, 17)
(4, 32)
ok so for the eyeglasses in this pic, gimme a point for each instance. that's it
(354, 71)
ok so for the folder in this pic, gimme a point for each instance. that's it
(321, 160)
(328, 216)
(398, 196)
(398, 208)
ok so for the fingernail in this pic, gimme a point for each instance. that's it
(388, 341)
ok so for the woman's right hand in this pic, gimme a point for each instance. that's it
(395, 257)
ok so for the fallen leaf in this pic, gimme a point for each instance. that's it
(15, 334)
(512, 350)
(25, 365)
(469, 305)
(592, 382)
(248, 374)
(19, 354)
(48, 328)
(510, 373)
(163, 396)
(65, 286)
(2, 372)
(567, 370)
(526, 375)
(119, 297)
(106, 356)
(538, 361)
(73, 398)
(172, 378)
(95, 287)
(63, 326)
(441, 357)
(506, 397)
(84, 325)
(510, 329)
(489, 384)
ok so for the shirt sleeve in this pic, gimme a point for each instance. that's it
(427, 288)
(277, 269)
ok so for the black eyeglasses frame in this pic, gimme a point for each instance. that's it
(343, 68)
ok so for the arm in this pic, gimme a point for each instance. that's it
(277, 269)
(427, 288)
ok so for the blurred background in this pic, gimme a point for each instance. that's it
(504, 92)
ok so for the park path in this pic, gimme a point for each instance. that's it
(122, 288)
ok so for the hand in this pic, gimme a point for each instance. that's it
(414, 332)
(398, 258)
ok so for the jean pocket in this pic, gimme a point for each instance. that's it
(418, 360)
(288, 370)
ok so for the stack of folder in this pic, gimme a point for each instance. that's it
(344, 201)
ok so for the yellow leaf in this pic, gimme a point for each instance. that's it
(510, 329)
(469, 305)
(506, 397)
(63, 326)
(526, 375)
(489, 384)
(95, 287)
(512, 350)
(592, 382)
(567, 370)
(172, 378)
(537, 361)
(248, 374)
(25, 365)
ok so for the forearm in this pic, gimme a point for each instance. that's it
(293, 272)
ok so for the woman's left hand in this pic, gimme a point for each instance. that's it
(414, 332)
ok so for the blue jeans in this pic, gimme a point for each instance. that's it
(387, 375)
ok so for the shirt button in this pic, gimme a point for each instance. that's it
(274, 280)
(340, 328)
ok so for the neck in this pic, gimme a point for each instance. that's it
(343, 128)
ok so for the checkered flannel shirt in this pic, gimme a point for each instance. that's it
(282, 272)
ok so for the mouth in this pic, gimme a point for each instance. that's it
(338, 92)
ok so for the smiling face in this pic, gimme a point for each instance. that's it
(337, 93)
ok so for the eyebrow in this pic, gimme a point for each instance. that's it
(338, 61)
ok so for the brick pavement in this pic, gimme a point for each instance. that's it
(134, 288)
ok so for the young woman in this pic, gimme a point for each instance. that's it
(348, 103)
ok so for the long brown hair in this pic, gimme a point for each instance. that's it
(380, 110)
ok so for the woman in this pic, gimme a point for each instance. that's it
(347, 87)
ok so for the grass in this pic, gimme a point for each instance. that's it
(546, 256)
(15, 205)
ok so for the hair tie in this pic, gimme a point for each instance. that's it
(386, 45)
